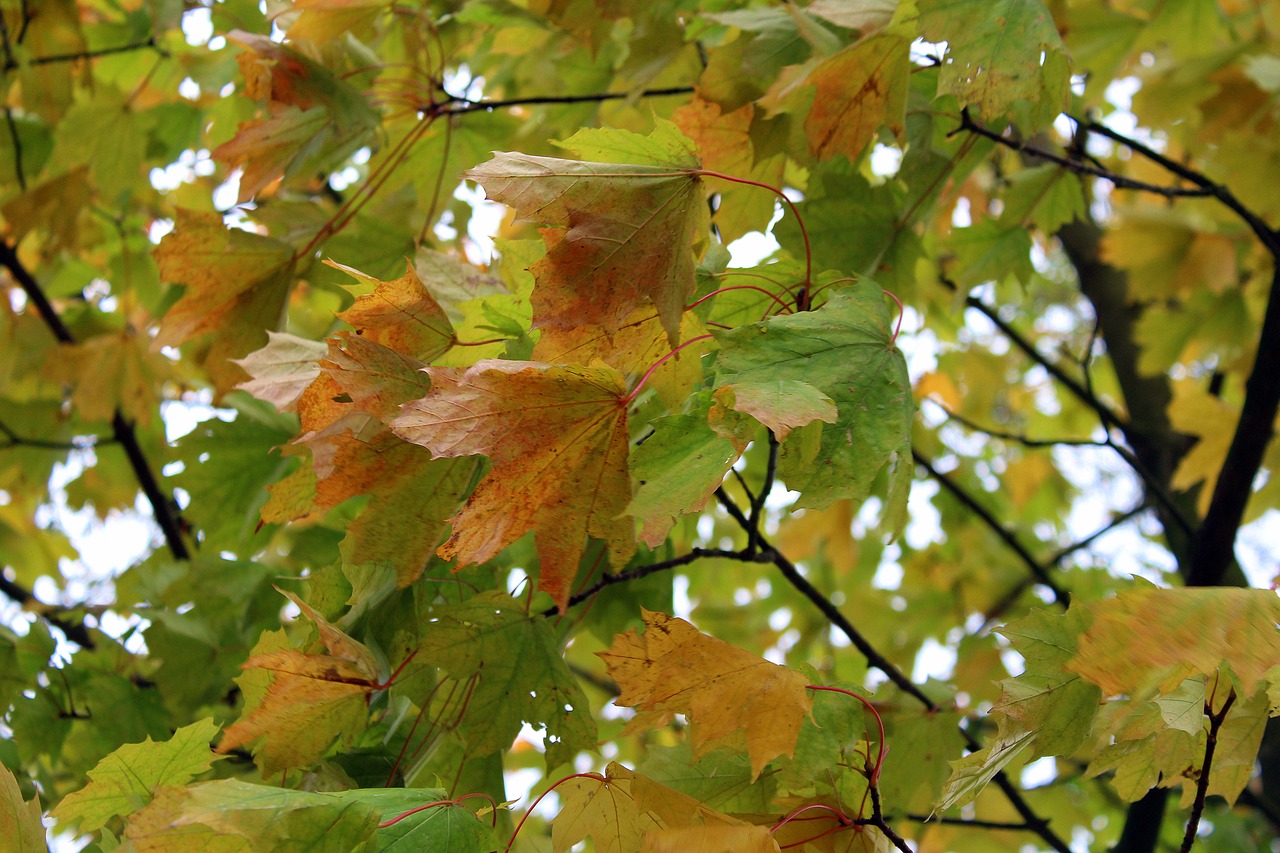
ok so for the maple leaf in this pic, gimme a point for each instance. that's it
(311, 700)
(236, 285)
(492, 638)
(110, 373)
(622, 809)
(860, 89)
(20, 820)
(316, 118)
(632, 350)
(282, 369)
(677, 469)
(781, 404)
(845, 351)
(126, 780)
(1149, 637)
(400, 314)
(725, 144)
(612, 220)
(710, 839)
(1047, 697)
(994, 54)
(674, 669)
(557, 438)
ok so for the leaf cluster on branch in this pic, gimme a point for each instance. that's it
(942, 521)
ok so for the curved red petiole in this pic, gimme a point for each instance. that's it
(635, 392)
(534, 804)
(874, 777)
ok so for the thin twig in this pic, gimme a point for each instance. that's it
(1202, 783)
(972, 823)
(1040, 571)
(11, 63)
(650, 569)
(1119, 181)
(457, 106)
(1024, 440)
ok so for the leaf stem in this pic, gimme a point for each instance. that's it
(601, 779)
(772, 296)
(635, 392)
(874, 778)
(802, 304)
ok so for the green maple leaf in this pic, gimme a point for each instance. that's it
(844, 350)
(126, 780)
(994, 53)
(493, 639)
(20, 823)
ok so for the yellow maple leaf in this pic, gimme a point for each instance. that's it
(674, 669)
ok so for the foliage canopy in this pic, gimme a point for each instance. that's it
(437, 502)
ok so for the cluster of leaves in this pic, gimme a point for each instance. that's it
(447, 500)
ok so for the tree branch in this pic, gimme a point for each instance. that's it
(458, 106)
(162, 506)
(1040, 571)
(1213, 547)
(1202, 783)
(1078, 166)
(10, 63)
(77, 632)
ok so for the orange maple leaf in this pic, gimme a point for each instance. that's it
(624, 230)
(312, 699)
(557, 438)
(674, 669)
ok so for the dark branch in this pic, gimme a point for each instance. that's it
(10, 438)
(10, 64)
(75, 631)
(458, 106)
(1202, 783)
(652, 569)
(1040, 571)
(757, 502)
(1268, 236)
(1079, 166)
(1213, 547)
(162, 506)
(1083, 393)
(1079, 391)
(1024, 440)
(973, 823)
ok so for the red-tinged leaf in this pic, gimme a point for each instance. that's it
(236, 286)
(632, 350)
(312, 699)
(674, 669)
(282, 369)
(859, 90)
(624, 231)
(400, 314)
(724, 141)
(557, 437)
